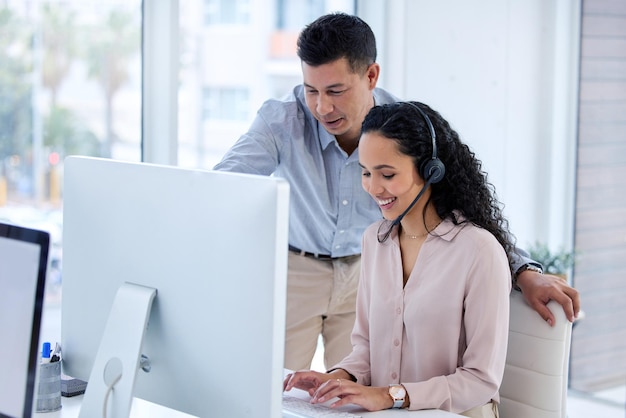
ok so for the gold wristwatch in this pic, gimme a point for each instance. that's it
(398, 394)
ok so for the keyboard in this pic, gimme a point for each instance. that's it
(299, 408)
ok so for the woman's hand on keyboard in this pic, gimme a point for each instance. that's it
(307, 380)
(349, 392)
(326, 386)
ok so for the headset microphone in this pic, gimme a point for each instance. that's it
(382, 238)
(399, 218)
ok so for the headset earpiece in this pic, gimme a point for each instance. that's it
(433, 169)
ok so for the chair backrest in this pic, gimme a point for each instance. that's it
(537, 361)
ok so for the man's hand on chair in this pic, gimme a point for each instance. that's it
(539, 289)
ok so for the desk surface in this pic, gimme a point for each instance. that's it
(387, 413)
(145, 409)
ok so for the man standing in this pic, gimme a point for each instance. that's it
(311, 138)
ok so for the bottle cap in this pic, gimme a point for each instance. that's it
(45, 352)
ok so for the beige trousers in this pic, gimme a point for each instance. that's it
(488, 410)
(321, 299)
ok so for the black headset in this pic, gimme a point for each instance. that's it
(431, 170)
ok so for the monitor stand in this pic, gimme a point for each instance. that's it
(113, 375)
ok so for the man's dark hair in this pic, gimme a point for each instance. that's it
(335, 36)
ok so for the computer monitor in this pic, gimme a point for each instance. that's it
(213, 246)
(23, 266)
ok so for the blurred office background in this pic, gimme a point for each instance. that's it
(536, 87)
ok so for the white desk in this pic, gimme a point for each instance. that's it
(387, 413)
(140, 409)
(145, 409)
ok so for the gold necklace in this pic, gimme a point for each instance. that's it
(422, 235)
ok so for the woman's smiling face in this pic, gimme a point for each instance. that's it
(389, 176)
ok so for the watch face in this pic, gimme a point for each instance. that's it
(397, 392)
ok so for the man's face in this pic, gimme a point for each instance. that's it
(338, 98)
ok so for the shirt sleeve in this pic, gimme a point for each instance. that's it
(258, 150)
(521, 257)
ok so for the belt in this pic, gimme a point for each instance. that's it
(307, 254)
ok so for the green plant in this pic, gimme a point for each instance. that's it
(553, 262)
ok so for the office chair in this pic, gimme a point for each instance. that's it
(537, 361)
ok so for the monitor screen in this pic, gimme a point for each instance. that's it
(23, 266)
(214, 246)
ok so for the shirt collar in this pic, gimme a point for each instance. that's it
(446, 230)
(325, 138)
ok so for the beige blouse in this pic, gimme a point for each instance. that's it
(444, 336)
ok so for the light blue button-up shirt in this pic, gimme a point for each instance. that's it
(329, 210)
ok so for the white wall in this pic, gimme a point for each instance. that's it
(504, 73)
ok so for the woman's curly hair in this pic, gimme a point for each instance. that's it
(464, 188)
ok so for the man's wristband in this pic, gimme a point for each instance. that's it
(525, 267)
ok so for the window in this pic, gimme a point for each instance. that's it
(293, 15)
(226, 12)
(224, 103)
(70, 84)
(234, 55)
